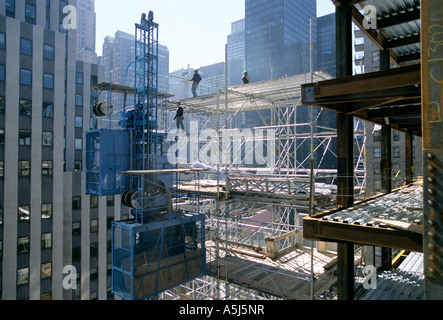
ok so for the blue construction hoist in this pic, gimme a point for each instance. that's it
(158, 248)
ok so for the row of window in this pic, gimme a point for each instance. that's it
(24, 168)
(23, 274)
(24, 212)
(26, 47)
(31, 12)
(24, 139)
(395, 152)
(26, 75)
(25, 109)
(377, 135)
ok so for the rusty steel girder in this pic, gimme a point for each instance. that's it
(432, 103)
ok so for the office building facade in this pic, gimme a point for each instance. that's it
(118, 60)
(367, 59)
(86, 31)
(54, 239)
(236, 53)
(277, 35)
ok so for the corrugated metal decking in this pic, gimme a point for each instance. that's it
(405, 205)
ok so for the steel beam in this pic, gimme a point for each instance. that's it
(432, 88)
(323, 230)
(345, 152)
(398, 19)
(386, 84)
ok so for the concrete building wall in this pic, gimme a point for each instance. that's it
(37, 216)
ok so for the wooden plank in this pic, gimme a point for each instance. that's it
(401, 225)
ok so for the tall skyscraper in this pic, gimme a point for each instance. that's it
(236, 52)
(86, 31)
(326, 44)
(278, 37)
(49, 228)
(118, 57)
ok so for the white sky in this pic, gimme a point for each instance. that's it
(195, 31)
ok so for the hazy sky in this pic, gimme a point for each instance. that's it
(195, 31)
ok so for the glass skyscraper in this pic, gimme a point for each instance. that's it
(277, 37)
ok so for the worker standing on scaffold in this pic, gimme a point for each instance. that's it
(245, 78)
(195, 83)
(179, 117)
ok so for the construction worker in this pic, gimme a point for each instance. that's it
(179, 117)
(195, 82)
(245, 78)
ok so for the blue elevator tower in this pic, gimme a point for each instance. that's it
(158, 248)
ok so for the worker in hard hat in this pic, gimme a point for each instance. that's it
(195, 83)
(245, 77)
(179, 117)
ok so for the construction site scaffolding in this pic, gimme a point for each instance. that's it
(254, 211)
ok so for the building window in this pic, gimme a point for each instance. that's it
(22, 276)
(47, 211)
(25, 107)
(2, 72)
(24, 137)
(24, 168)
(396, 135)
(23, 213)
(79, 122)
(63, 3)
(377, 169)
(79, 77)
(48, 81)
(26, 47)
(2, 40)
(377, 136)
(2, 103)
(76, 203)
(30, 13)
(10, 8)
(377, 152)
(48, 110)
(110, 200)
(46, 240)
(375, 56)
(78, 144)
(77, 165)
(79, 100)
(94, 225)
(25, 77)
(46, 168)
(46, 270)
(47, 139)
(396, 152)
(2, 169)
(23, 245)
(76, 228)
(48, 52)
(93, 200)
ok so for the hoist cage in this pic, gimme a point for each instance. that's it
(151, 258)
